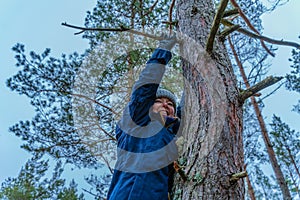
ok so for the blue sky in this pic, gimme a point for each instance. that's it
(37, 24)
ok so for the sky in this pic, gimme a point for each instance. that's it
(37, 25)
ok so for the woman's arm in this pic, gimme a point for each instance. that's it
(144, 90)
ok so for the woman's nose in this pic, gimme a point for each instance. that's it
(165, 104)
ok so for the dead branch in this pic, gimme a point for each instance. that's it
(261, 37)
(249, 24)
(121, 29)
(151, 8)
(82, 96)
(272, 92)
(228, 31)
(89, 192)
(237, 176)
(229, 13)
(216, 25)
(258, 87)
(170, 14)
(180, 171)
(173, 23)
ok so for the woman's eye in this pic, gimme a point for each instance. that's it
(170, 104)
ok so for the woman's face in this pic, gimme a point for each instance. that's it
(164, 106)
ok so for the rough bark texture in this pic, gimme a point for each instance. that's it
(213, 147)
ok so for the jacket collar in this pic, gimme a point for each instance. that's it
(167, 122)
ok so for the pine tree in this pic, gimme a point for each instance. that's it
(33, 183)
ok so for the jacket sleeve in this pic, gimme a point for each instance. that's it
(144, 89)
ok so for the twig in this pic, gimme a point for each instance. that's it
(216, 25)
(258, 87)
(170, 14)
(121, 29)
(229, 31)
(229, 13)
(173, 23)
(272, 92)
(85, 190)
(84, 97)
(261, 37)
(234, 3)
(178, 169)
(270, 40)
(151, 8)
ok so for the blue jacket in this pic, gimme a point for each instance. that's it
(146, 142)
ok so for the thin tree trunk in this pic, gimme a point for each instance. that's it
(250, 189)
(212, 123)
(274, 163)
(293, 161)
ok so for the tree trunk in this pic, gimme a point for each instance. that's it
(272, 155)
(250, 189)
(212, 122)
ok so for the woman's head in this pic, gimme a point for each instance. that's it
(165, 103)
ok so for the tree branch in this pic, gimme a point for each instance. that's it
(180, 171)
(229, 13)
(82, 96)
(89, 192)
(234, 3)
(237, 176)
(151, 8)
(228, 31)
(121, 29)
(258, 87)
(216, 25)
(261, 37)
(170, 14)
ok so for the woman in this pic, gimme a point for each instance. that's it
(146, 135)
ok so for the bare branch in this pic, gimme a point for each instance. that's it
(216, 25)
(229, 13)
(151, 8)
(89, 192)
(170, 14)
(258, 87)
(237, 176)
(84, 97)
(180, 171)
(270, 40)
(261, 37)
(234, 3)
(228, 31)
(173, 23)
(272, 92)
(94, 101)
(121, 29)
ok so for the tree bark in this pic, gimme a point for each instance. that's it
(212, 121)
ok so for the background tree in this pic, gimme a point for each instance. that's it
(286, 144)
(33, 183)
